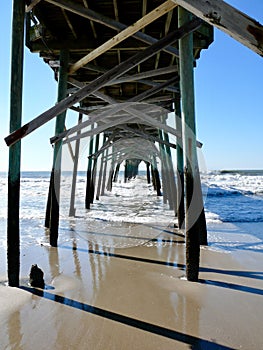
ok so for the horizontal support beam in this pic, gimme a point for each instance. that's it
(118, 107)
(124, 34)
(96, 17)
(147, 74)
(235, 23)
(147, 136)
(138, 78)
(98, 83)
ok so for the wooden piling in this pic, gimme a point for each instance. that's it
(171, 176)
(193, 197)
(165, 184)
(180, 167)
(158, 182)
(110, 178)
(17, 57)
(116, 173)
(156, 178)
(56, 169)
(104, 175)
(153, 178)
(48, 206)
(94, 170)
(100, 171)
(148, 172)
(75, 172)
(88, 183)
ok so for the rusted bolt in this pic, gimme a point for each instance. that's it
(214, 16)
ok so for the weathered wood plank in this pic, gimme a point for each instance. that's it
(147, 136)
(99, 128)
(57, 155)
(225, 17)
(139, 79)
(146, 74)
(194, 216)
(120, 106)
(124, 34)
(180, 167)
(32, 5)
(74, 176)
(101, 81)
(13, 229)
(109, 22)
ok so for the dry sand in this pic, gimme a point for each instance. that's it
(133, 298)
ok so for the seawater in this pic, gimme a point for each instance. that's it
(234, 196)
(233, 200)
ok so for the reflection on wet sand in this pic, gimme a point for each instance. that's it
(134, 298)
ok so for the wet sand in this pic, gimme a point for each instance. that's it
(133, 298)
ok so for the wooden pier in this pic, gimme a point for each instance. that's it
(124, 65)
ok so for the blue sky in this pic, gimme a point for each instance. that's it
(229, 94)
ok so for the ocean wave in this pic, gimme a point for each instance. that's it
(214, 191)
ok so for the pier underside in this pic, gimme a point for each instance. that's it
(126, 68)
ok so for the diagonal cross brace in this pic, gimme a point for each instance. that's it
(118, 107)
(96, 84)
(108, 22)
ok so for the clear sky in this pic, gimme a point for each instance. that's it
(229, 95)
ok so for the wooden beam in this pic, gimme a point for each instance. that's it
(91, 22)
(109, 22)
(194, 217)
(32, 5)
(144, 10)
(155, 88)
(99, 128)
(96, 84)
(75, 173)
(57, 155)
(116, 12)
(130, 109)
(147, 74)
(180, 167)
(140, 80)
(69, 23)
(121, 106)
(147, 136)
(126, 33)
(225, 17)
(13, 204)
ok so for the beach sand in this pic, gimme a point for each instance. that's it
(133, 298)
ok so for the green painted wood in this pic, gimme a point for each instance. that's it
(100, 171)
(56, 169)
(89, 175)
(194, 201)
(180, 168)
(17, 57)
